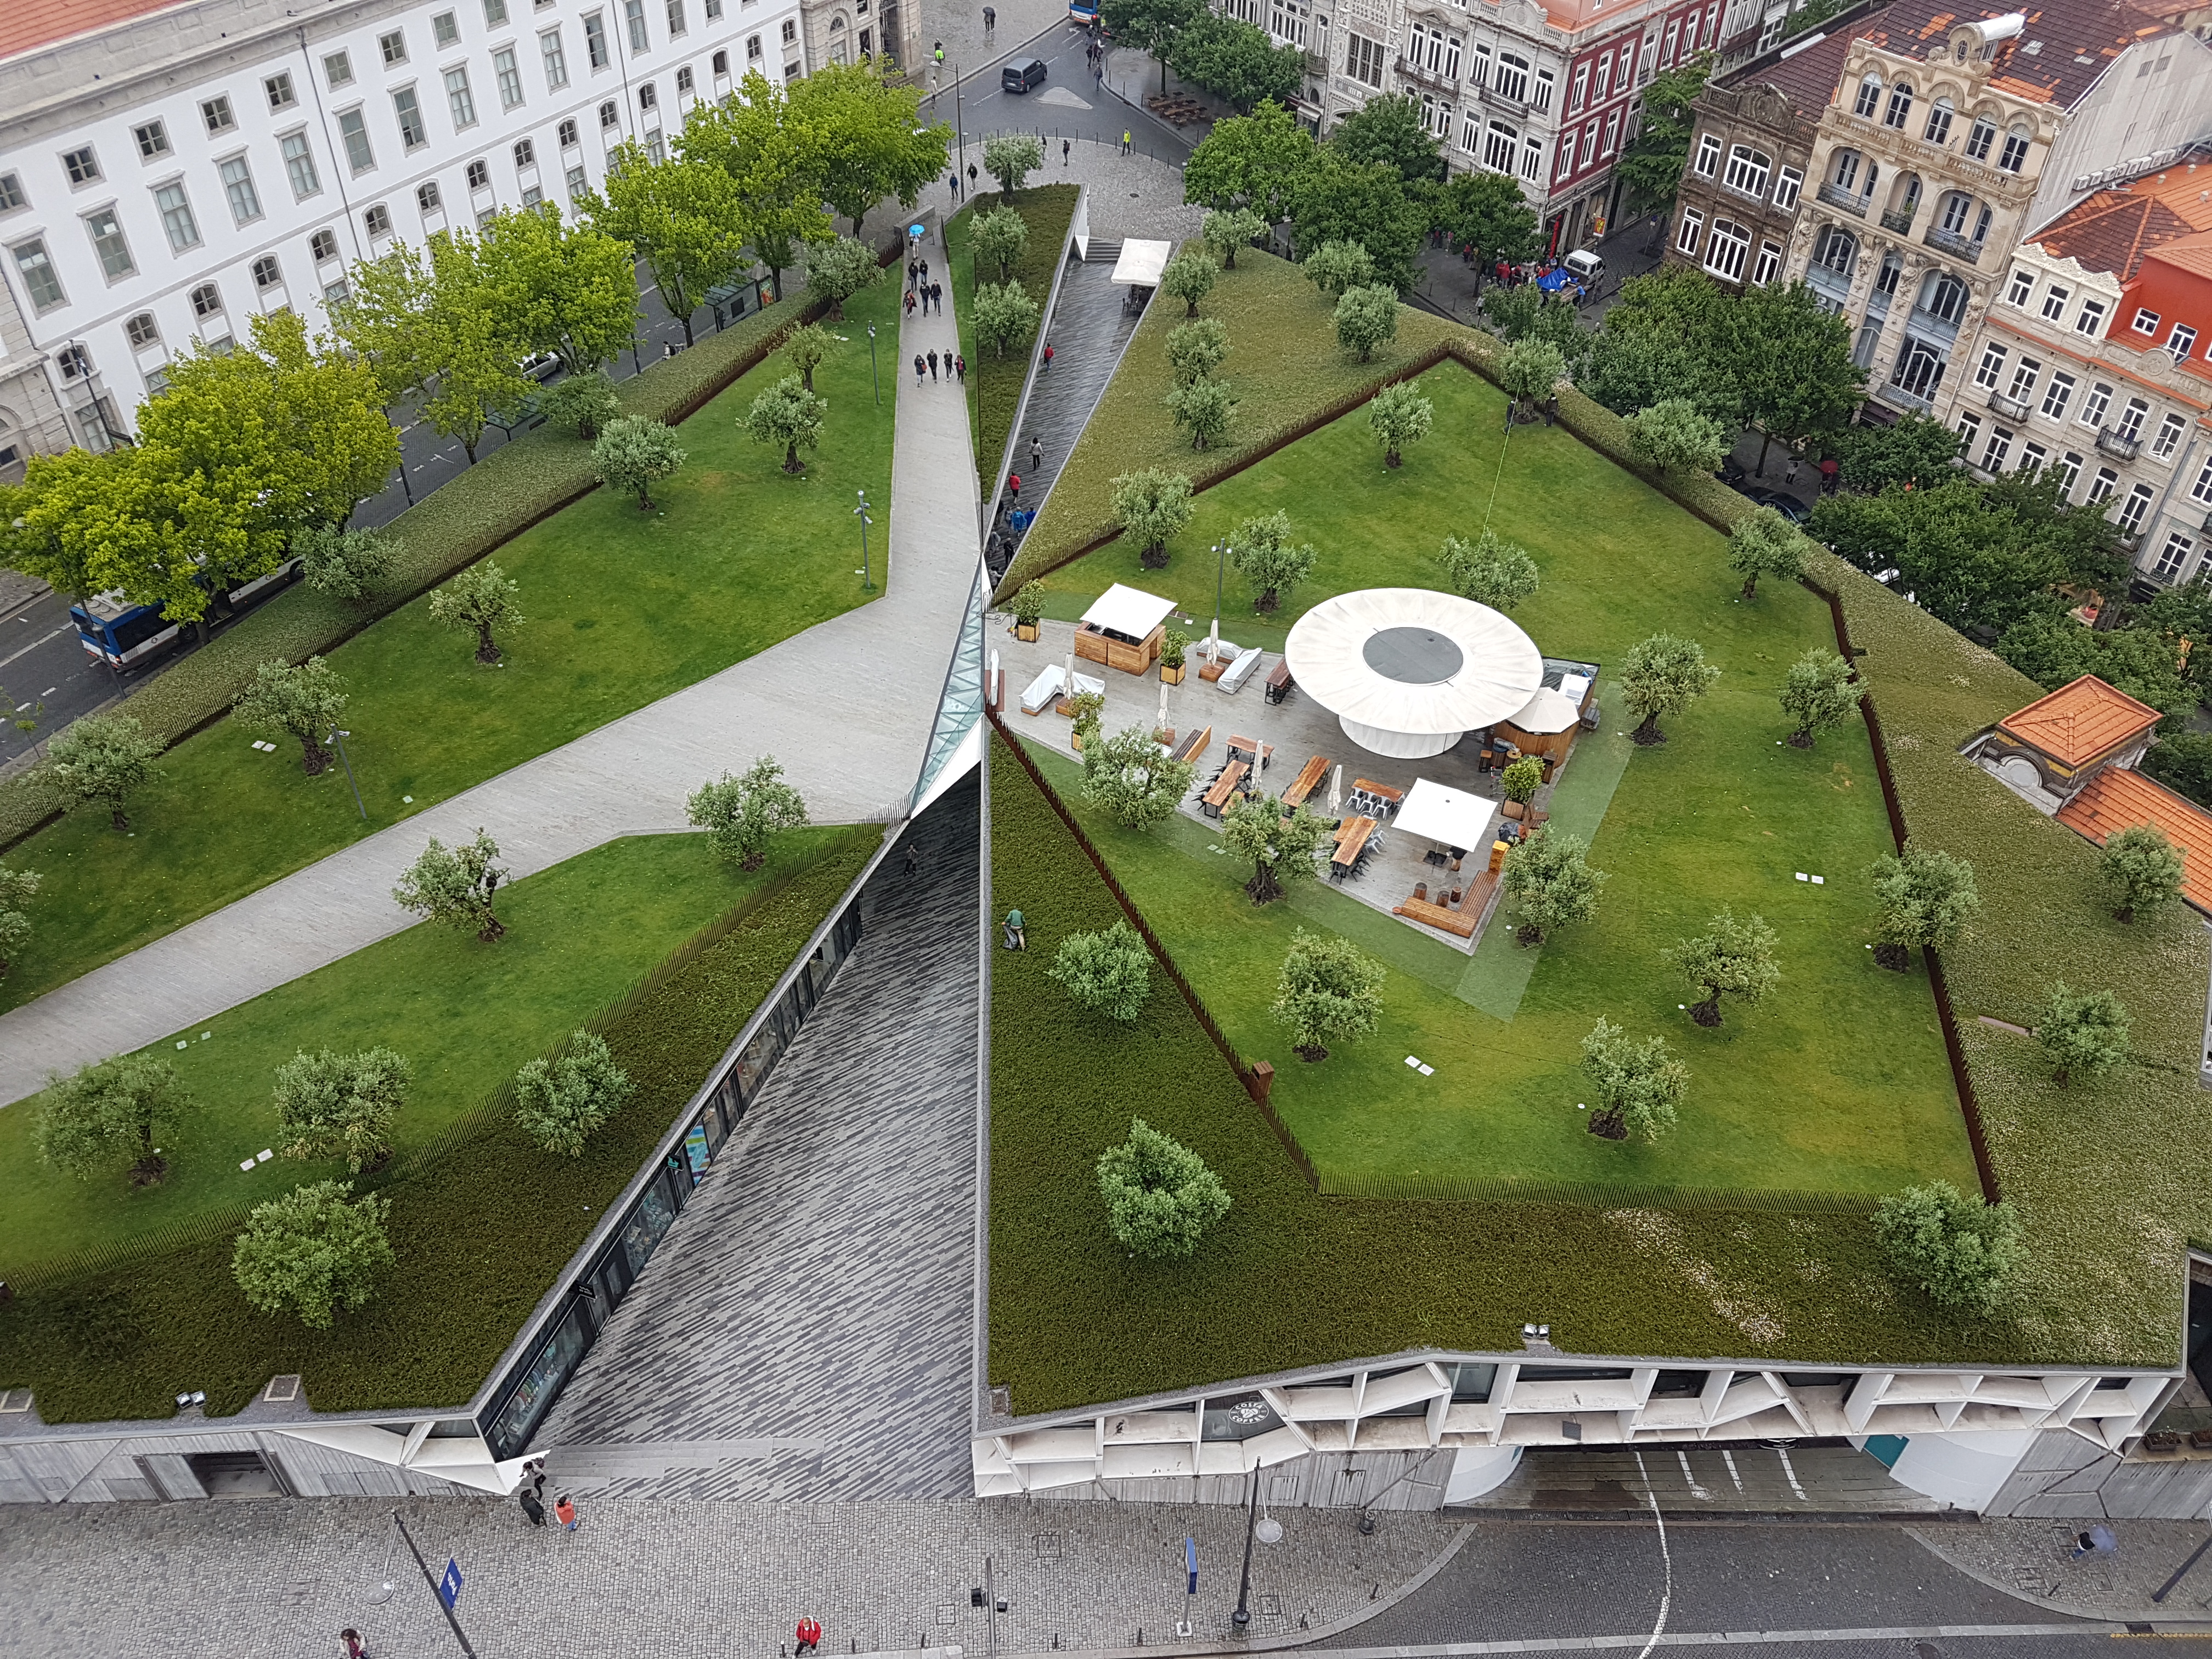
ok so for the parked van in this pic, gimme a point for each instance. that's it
(1584, 266)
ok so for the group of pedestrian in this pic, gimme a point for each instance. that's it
(532, 1498)
(956, 365)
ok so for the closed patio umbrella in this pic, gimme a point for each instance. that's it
(1336, 789)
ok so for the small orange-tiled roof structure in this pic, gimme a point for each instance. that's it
(2118, 799)
(2081, 722)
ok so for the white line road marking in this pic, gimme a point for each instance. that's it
(1665, 1558)
(1696, 1491)
(25, 651)
(1729, 1458)
(1713, 1638)
(1783, 1453)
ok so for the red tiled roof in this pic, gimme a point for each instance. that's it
(2080, 721)
(2114, 230)
(27, 25)
(2117, 800)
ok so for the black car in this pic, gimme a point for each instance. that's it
(1787, 506)
(1021, 78)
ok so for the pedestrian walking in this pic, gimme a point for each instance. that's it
(1065, 146)
(919, 367)
(1551, 409)
(954, 181)
(933, 366)
(1790, 472)
(351, 1638)
(1048, 353)
(1037, 454)
(971, 175)
(990, 18)
(925, 270)
(937, 297)
(532, 1508)
(1125, 140)
(810, 1632)
(565, 1512)
(909, 303)
(1828, 471)
(1013, 487)
(913, 274)
(2097, 1540)
(960, 368)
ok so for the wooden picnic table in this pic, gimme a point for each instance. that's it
(1307, 781)
(1351, 836)
(1224, 787)
(1396, 797)
(1260, 753)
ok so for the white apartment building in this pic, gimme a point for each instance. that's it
(171, 170)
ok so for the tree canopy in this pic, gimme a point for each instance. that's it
(1236, 61)
(1961, 1252)
(742, 815)
(1653, 162)
(1734, 957)
(1279, 843)
(1490, 570)
(330, 1104)
(1339, 200)
(1549, 881)
(1389, 129)
(1252, 160)
(314, 1253)
(1327, 992)
(1129, 777)
(1161, 1198)
(1639, 1086)
(679, 214)
(863, 138)
(1108, 972)
(559, 1102)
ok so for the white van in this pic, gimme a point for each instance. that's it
(1584, 266)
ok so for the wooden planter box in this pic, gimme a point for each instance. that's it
(1026, 632)
(1513, 809)
(1131, 657)
(1172, 675)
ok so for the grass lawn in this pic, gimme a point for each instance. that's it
(994, 384)
(623, 607)
(479, 1229)
(1788, 1095)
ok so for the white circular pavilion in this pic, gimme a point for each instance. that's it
(1408, 671)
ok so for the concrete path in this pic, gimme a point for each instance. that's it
(847, 707)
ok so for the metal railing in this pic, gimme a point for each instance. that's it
(1836, 196)
(1950, 242)
(2011, 408)
(2118, 445)
(1899, 220)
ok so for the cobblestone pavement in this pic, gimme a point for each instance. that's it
(2032, 1560)
(670, 1579)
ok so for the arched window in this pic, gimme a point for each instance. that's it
(1938, 130)
(1900, 107)
(1726, 252)
(1980, 137)
(1904, 196)
(1870, 98)
(1844, 171)
(1920, 369)
(1943, 296)
(2014, 153)
(1747, 170)
(1958, 207)
(1836, 249)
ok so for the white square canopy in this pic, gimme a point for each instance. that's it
(1130, 611)
(1447, 816)
(1141, 263)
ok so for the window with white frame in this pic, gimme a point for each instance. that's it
(2021, 286)
(1991, 367)
(2022, 389)
(268, 273)
(2031, 457)
(2102, 486)
(2131, 424)
(414, 131)
(1470, 133)
(2056, 398)
(2054, 301)
(1601, 81)
(1999, 446)
(459, 97)
(178, 222)
(354, 128)
(1726, 252)
(2146, 322)
(106, 232)
(595, 40)
(279, 89)
(1770, 263)
(2169, 437)
(1970, 428)
(2069, 470)
(1566, 157)
(2094, 405)
(2133, 509)
(1532, 158)
(634, 19)
(1692, 236)
(1582, 88)
(1980, 137)
(299, 165)
(1748, 171)
(2091, 319)
(2201, 489)
(1869, 98)
(2174, 557)
(1612, 134)
(1363, 59)
(153, 139)
(1787, 184)
(510, 75)
(2181, 341)
(1938, 130)
(1708, 156)
(427, 198)
(1541, 93)
(238, 188)
(1899, 110)
(2014, 154)
(338, 70)
(444, 29)
(1499, 147)
(1588, 151)
(1512, 76)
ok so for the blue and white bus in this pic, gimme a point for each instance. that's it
(122, 634)
(1083, 13)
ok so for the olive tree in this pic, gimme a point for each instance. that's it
(808, 348)
(455, 885)
(1731, 958)
(1399, 416)
(315, 1252)
(1228, 230)
(1662, 676)
(1639, 1085)
(1279, 849)
(1923, 897)
(1160, 1197)
(1108, 972)
(1673, 436)
(111, 1112)
(632, 452)
(1528, 369)
(1189, 277)
(1546, 877)
(1490, 570)
(561, 1101)
(304, 702)
(1818, 695)
(344, 563)
(102, 760)
(740, 815)
(2141, 870)
(1765, 544)
(1195, 350)
(2083, 1033)
(836, 270)
(1962, 1252)
(789, 415)
(1202, 408)
(1011, 157)
(1271, 562)
(17, 888)
(1337, 268)
(580, 404)
(482, 598)
(337, 1105)
(1366, 318)
(1152, 507)
(1326, 992)
(1127, 777)
(1005, 316)
(998, 238)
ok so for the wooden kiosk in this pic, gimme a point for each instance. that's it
(1123, 629)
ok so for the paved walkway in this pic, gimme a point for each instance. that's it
(846, 706)
(2035, 1561)
(807, 1329)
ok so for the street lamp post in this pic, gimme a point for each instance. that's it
(868, 579)
(1220, 566)
(1241, 1619)
(873, 379)
(336, 739)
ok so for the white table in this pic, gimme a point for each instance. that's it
(1448, 816)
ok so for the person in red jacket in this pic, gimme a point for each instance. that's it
(810, 1637)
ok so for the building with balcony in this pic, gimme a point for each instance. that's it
(1948, 135)
(225, 157)
(2091, 359)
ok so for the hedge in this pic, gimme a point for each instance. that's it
(482, 1224)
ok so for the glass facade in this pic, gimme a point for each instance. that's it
(962, 704)
(523, 1397)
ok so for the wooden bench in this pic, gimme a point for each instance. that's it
(1279, 682)
(1459, 923)
(1195, 743)
(1308, 779)
(1224, 787)
(1351, 836)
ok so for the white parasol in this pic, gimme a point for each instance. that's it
(1336, 789)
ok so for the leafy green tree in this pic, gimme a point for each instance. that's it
(1326, 992)
(315, 1252)
(1917, 450)
(1195, 350)
(580, 404)
(742, 815)
(1490, 570)
(1203, 409)
(1529, 370)
(479, 598)
(2144, 662)
(863, 137)
(2083, 1034)
(1547, 876)
(1279, 848)
(1399, 416)
(1234, 60)
(567, 289)
(303, 702)
(1652, 164)
(998, 238)
(17, 888)
(1963, 1253)
(1108, 972)
(102, 760)
(1789, 363)
(1672, 436)
(560, 1103)
(1270, 562)
(1922, 897)
(111, 1112)
(1765, 544)
(1005, 316)
(79, 521)
(2182, 760)
(1664, 676)
(1189, 277)
(336, 1105)
(1338, 200)
(1818, 695)
(2141, 870)
(1639, 1085)
(344, 563)
(1966, 560)
(789, 415)
(632, 452)
(1485, 213)
(753, 137)
(807, 348)
(1253, 162)
(1229, 229)
(1811, 14)
(1127, 777)
(1161, 1198)
(1366, 318)
(1527, 312)
(1150, 26)
(455, 885)
(679, 214)
(1389, 129)
(1337, 268)
(1521, 778)
(838, 269)
(1729, 958)
(1658, 342)
(1011, 157)
(1152, 507)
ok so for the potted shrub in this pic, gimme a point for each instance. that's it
(1029, 606)
(1173, 644)
(1520, 780)
(1083, 708)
